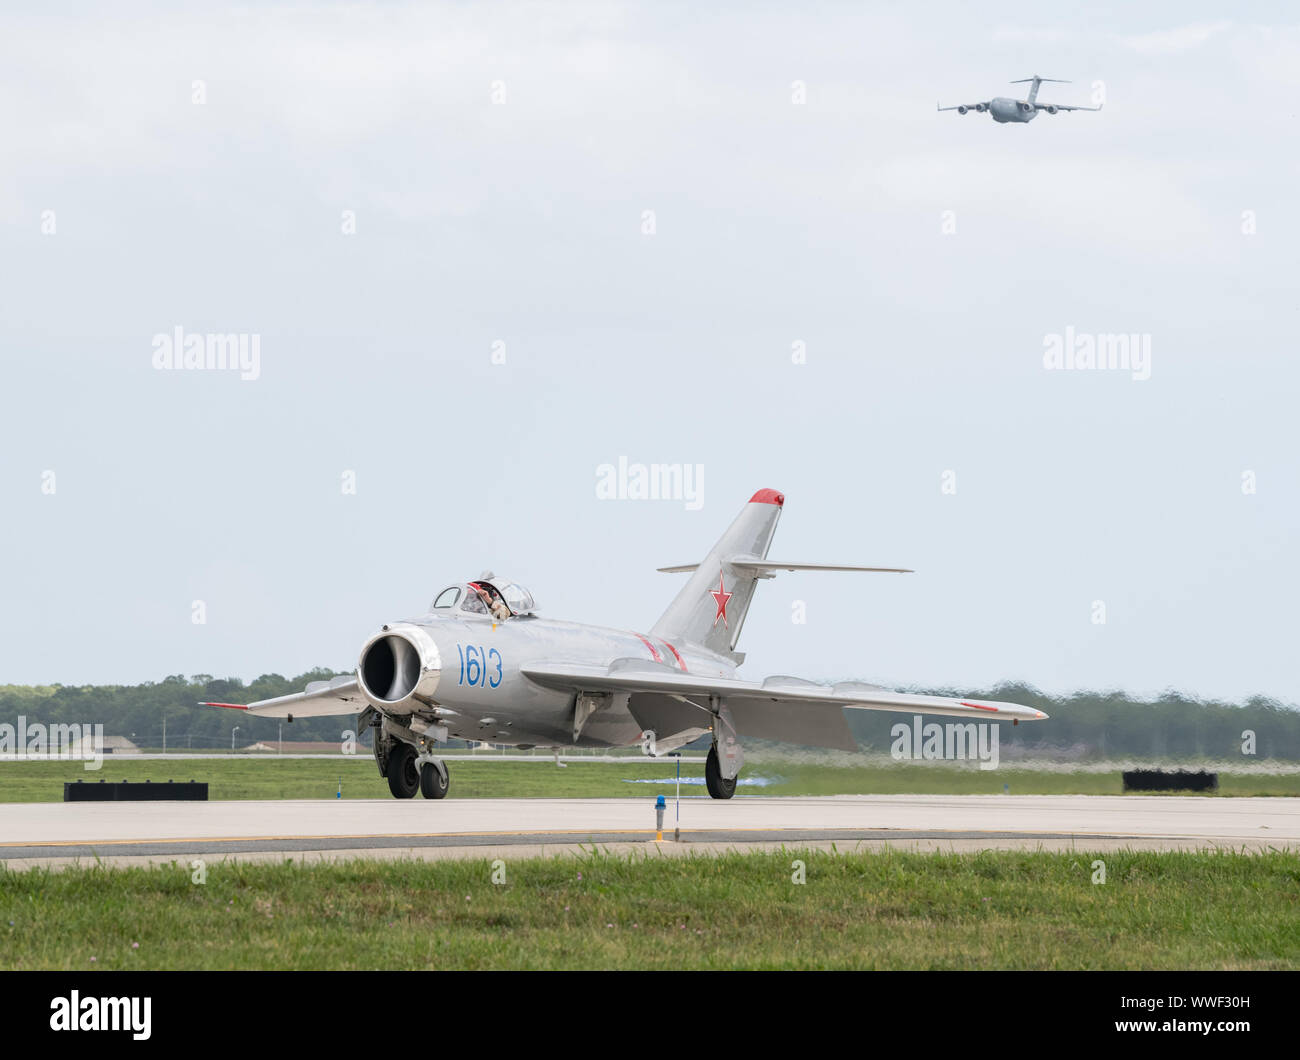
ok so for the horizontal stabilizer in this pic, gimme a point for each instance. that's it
(763, 566)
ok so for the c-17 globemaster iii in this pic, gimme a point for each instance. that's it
(482, 665)
(1005, 110)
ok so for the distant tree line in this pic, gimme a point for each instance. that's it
(1113, 725)
(1082, 725)
(137, 711)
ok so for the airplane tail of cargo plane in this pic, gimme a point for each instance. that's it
(710, 609)
(1034, 82)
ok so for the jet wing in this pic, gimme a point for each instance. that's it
(779, 708)
(318, 700)
(1061, 106)
(966, 106)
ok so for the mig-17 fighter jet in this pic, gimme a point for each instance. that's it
(482, 664)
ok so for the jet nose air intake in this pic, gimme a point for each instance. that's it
(399, 666)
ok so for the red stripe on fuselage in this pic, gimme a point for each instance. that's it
(680, 661)
(653, 651)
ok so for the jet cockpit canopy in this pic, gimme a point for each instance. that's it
(485, 595)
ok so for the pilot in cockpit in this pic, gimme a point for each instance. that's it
(488, 593)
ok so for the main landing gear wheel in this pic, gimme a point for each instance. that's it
(432, 784)
(718, 787)
(403, 776)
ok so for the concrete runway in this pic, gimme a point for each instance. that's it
(56, 834)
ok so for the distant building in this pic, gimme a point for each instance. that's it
(120, 745)
(300, 747)
(113, 745)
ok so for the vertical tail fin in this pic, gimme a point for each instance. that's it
(711, 608)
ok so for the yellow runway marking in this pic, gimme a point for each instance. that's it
(584, 831)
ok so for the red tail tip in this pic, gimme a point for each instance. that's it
(768, 497)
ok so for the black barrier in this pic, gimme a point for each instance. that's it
(125, 791)
(1170, 780)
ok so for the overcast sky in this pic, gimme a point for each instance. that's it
(390, 199)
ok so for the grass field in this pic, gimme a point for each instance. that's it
(320, 779)
(882, 910)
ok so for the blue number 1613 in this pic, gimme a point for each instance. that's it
(476, 666)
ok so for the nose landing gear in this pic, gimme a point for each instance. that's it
(403, 776)
(409, 771)
(434, 780)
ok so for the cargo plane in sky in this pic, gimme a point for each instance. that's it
(482, 664)
(1004, 110)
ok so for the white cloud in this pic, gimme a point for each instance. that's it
(1179, 39)
(1083, 199)
(1025, 35)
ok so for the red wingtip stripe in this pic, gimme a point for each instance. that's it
(979, 706)
(228, 706)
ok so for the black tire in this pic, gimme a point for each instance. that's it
(432, 786)
(719, 788)
(403, 777)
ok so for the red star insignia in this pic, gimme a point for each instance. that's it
(721, 595)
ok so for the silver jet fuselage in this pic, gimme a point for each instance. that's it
(462, 672)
